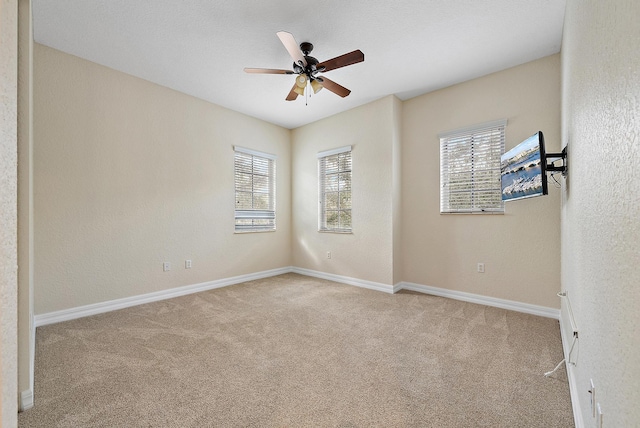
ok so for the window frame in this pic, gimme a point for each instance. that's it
(252, 213)
(486, 143)
(323, 157)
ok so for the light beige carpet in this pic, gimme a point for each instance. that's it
(294, 351)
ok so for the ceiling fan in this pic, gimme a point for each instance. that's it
(307, 67)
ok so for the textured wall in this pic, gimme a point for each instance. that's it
(128, 175)
(521, 249)
(367, 253)
(26, 343)
(601, 202)
(8, 212)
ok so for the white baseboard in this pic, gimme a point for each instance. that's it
(571, 375)
(26, 400)
(112, 305)
(378, 286)
(511, 305)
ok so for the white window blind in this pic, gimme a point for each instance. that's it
(470, 169)
(334, 177)
(255, 190)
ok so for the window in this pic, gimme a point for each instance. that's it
(470, 169)
(255, 184)
(334, 176)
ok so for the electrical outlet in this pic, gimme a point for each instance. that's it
(187, 264)
(328, 254)
(166, 266)
(598, 416)
(480, 267)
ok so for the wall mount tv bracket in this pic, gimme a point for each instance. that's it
(550, 158)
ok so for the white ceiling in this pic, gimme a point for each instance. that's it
(200, 47)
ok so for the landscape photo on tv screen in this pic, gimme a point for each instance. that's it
(521, 170)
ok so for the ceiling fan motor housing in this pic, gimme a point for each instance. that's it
(309, 69)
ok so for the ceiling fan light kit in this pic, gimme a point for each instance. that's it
(316, 86)
(307, 67)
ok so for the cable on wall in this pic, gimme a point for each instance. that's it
(563, 295)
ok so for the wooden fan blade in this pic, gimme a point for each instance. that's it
(292, 47)
(267, 71)
(342, 60)
(292, 95)
(333, 86)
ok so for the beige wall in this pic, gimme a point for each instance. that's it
(601, 202)
(520, 249)
(8, 211)
(367, 253)
(128, 175)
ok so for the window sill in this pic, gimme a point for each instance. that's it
(474, 213)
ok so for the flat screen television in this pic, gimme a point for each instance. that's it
(523, 170)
